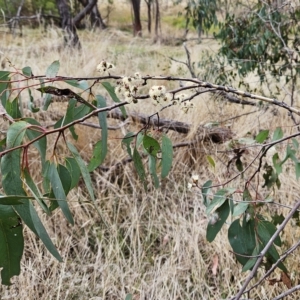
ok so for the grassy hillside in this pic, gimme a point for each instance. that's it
(149, 244)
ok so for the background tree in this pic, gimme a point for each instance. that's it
(68, 26)
(137, 25)
(95, 16)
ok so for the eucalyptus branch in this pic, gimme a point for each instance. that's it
(61, 129)
(265, 250)
(197, 82)
(270, 271)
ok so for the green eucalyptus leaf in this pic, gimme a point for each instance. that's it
(111, 90)
(59, 192)
(242, 239)
(151, 145)
(12, 243)
(4, 86)
(74, 171)
(152, 169)
(13, 200)
(215, 225)
(239, 209)
(219, 198)
(47, 101)
(102, 116)
(27, 71)
(33, 133)
(211, 161)
(83, 169)
(166, 156)
(81, 84)
(29, 215)
(278, 134)
(266, 230)
(65, 178)
(52, 70)
(295, 143)
(35, 191)
(139, 140)
(262, 136)
(13, 108)
(251, 262)
(128, 138)
(139, 166)
(96, 159)
(205, 192)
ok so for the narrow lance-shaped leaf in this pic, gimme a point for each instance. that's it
(28, 181)
(13, 185)
(13, 108)
(211, 161)
(74, 171)
(41, 144)
(167, 156)
(219, 198)
(14, 200)
(68, 118)
(139, 166)
(205, 192)
(102, 116)
(65, 178)
(84, 171)
(10, 163)
(214, 226)
(29, 215)
(111, 90)
(128, 138)
(265, 231)
(12, 243)
(152, 169)
(82, 84)
(4, 84)
(96, 159)
(241, 207)
(59, 192)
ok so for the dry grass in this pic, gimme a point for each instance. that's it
(151, 244)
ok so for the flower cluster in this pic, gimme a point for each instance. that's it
(128, 87)
(186, 105)
(158, 94)
(104, 67)
(194, 182)
(182, 100)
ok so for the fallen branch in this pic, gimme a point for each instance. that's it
(214, 134)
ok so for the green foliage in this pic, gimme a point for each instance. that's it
(12, 243)
(202, 14)
(263, 41)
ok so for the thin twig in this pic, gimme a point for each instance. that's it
(288, 292)
(282, 258)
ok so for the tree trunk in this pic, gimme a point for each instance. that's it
(70, 34)
(149, 2)
(157, 18)
(95, 16)
(137, 26)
